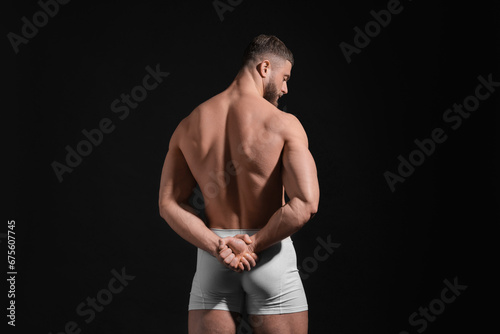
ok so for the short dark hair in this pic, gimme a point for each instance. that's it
(266, 45)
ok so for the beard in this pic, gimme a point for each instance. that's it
(271, 93)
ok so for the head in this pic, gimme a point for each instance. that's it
(273, 62)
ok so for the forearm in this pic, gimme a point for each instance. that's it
(284, 222)
(190, 227)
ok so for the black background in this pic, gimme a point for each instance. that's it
(396, 249)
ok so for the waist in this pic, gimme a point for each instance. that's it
(231, 232)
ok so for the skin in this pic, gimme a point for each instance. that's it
(243, 152)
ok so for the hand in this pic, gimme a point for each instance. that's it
(236, 254)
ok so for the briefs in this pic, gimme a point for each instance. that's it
(273, 286)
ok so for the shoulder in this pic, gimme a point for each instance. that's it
(292, 129)
(198, 117)
(184, 127)
(290, 120)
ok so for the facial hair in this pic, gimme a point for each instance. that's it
(271, 93)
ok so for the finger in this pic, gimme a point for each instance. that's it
(249, 258)
(225, 253)
(222, 243)
(234, 263)
(247, 239)
(223, 248)
(245, 263)
(229, 259)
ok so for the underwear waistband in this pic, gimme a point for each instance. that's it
(229, 232)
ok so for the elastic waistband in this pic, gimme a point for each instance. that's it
(223, 232)
(229, 232)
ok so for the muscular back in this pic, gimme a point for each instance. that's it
(233, 146)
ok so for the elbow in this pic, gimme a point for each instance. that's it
(163, 207)
(313, 210)
(310, 209)
(305, 210)
(310, 203)
(313, 204)
(162, 212)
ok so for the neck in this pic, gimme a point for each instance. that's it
(247, 81)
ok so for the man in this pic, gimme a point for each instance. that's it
(244, 153)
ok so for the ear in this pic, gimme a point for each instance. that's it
(263, 68)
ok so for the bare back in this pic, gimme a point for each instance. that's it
(233, 146)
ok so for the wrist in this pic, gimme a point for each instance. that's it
(253, 245)
(213, 248)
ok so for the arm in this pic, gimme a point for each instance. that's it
(176, 186)
(301, 184)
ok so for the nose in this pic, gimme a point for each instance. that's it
(284, 88)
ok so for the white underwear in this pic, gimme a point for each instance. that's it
(273, 286)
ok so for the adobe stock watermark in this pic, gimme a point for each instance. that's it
(420, 320)
(120, 106)
(452, 117)
(322, 252)
(29, 29)
(88, 308)
(372, 29)
(222, 7)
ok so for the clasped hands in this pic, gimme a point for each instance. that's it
(236, 253)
